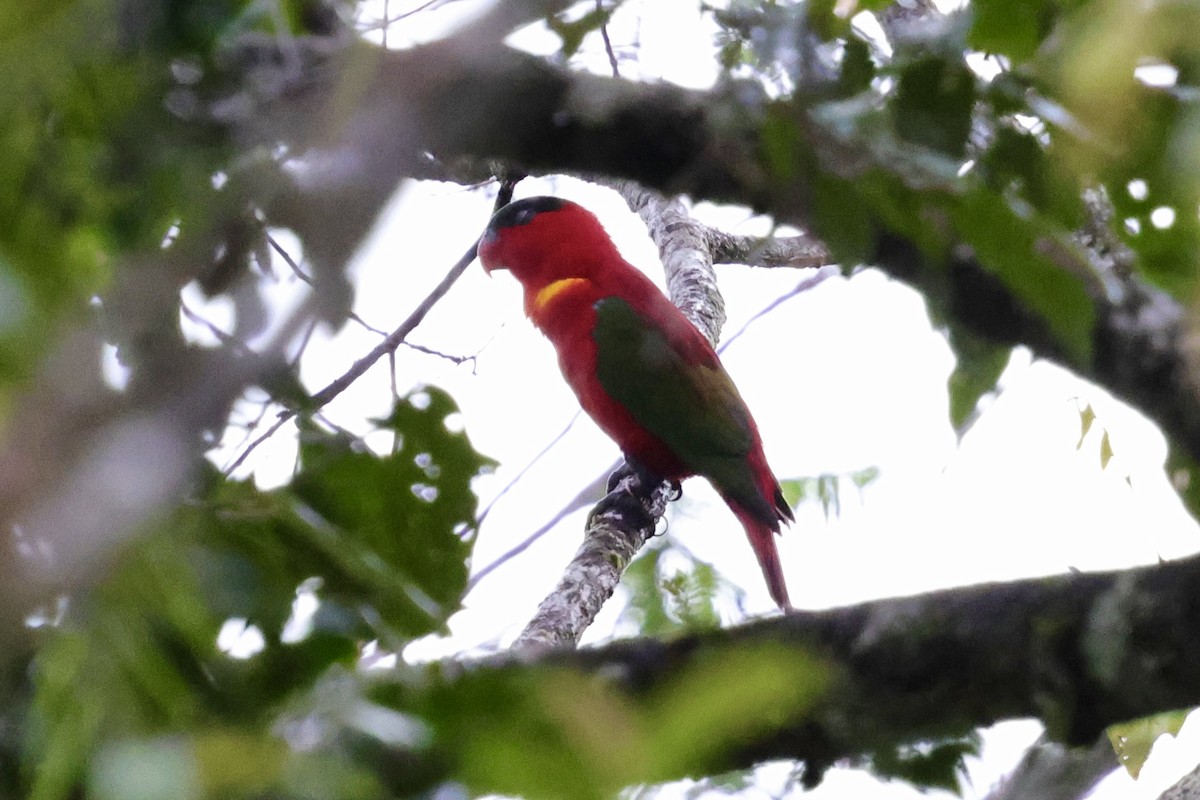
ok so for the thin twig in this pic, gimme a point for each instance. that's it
(391, 342)
(254, 423)
(393, 339)
(584, 498)
(429, 351)
(516, 478)
(304, 340)
(608, 48)
(353, 317)
(305, 278)
(396, 337)
(287, 259)
(410, 12)
(284, 418)
(221, 336)
(388, 345)
(820, 276)
(394, 385)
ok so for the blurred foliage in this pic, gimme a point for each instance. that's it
(105, 148)
(670, 591)
(981, 130)
(134, 671)
(534, 732)
(978, 131)
(927, 765)
(572, 32)
(826, 489)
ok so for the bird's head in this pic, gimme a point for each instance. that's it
(544, 239)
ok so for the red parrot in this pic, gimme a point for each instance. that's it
(640, 369)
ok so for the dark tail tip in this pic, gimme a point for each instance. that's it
(782, 509)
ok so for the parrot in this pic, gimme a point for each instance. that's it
(648, 378)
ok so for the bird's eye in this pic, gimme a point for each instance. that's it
(524, 216)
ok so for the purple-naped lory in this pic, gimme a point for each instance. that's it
(641, 370)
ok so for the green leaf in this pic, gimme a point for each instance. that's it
(693, 596)
(1132, 741)
(573, 33)
(826, 489)
(647, 607)
(928, 765)
(1012, 245)
(223, 763)
(829, 495)
(845, 223)
(1087, 416)
(1011, 27)
(978, 365)
(410, 512)
(858, 69)
(662, 604)
(778, 136)
(1106, 451)
(718, 701)
(1017, 164)
(865, 477)
(933, 105)
(822, 20)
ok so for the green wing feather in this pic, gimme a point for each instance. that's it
(694, 409)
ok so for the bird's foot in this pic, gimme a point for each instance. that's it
(626, 504)
(622, 499)
(632, 469)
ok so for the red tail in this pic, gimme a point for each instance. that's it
(762, 540)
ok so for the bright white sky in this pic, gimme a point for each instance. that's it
(846, 376)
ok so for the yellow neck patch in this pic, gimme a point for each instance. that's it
(548, 293)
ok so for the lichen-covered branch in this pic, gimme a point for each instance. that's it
(1186, 788)
(610, 542)
(686, 256)
(796, 252)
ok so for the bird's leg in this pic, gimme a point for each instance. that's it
(622, 499)
(646, 477)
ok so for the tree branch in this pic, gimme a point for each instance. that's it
(686, 255)
(518, 108)
(1051, 771)
(610, 542)
(796, 252)
(1186, 788)
(1079, 652)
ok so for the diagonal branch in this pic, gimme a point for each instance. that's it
(388, 346)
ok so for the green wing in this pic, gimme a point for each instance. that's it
(693, 408)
